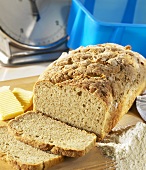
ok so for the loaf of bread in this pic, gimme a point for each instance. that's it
(92, 87)
(127, 147)
(24, 157)
(43, 132)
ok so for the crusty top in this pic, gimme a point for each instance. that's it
(96, 68)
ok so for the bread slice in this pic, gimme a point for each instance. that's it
(45, 133)
(22, 156)
(127, 147)
(91, 87)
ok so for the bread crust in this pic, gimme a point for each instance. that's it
(110, 73)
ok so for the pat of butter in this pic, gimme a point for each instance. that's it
(25, 97)
(10, 107)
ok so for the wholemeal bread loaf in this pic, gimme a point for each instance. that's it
(91, 87)
(127, 147)
(45, 133)
(22, 156)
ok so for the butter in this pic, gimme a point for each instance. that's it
(10, 107)
(25, 97)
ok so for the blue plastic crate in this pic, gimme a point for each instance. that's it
(99, 21)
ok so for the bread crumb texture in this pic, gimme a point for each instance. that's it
(127, 147)
(91, 87)
(45, 133)
(23, 156)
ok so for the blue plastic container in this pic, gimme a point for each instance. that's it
(99, 21)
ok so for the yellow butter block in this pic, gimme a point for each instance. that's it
(25, 97)
(10, 107)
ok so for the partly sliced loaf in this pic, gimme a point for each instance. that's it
(45, 133)
(91, 87)
(22, 156)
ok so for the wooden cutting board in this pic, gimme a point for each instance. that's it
(94, 157)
